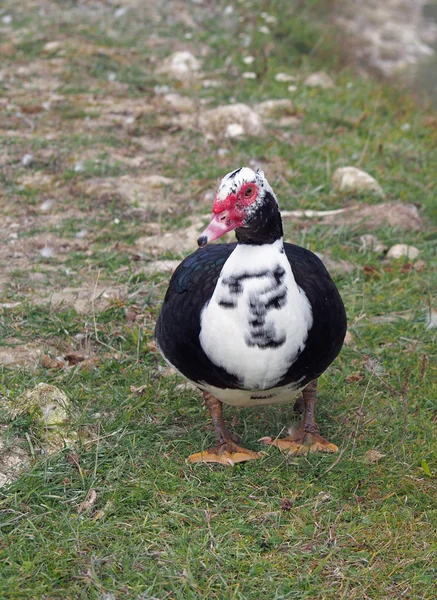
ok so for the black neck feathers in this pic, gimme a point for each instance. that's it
(264, 226)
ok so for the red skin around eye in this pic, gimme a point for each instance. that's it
(236, 203)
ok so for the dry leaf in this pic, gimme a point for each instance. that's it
(88, 503)
(373, 456)
(354, 378)
(51, 363)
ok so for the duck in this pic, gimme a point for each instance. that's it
(254, 322)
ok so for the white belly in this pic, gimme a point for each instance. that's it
(256, 322)
(279, 395)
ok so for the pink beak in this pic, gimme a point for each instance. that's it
(220, 224)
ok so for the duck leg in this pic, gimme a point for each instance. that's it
(226, 452)
(306, 438)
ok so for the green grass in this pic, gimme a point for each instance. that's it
(323, 527)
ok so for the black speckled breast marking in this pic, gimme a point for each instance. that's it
(272, 296)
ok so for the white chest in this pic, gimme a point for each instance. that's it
(258, 319)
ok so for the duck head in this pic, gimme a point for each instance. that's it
(244, 202)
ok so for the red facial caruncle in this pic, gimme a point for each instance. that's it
(229, 213)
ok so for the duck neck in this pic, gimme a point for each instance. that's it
(265, 225)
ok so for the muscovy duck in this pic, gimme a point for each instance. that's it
(254, 322)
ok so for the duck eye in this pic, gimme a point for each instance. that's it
(248, 192)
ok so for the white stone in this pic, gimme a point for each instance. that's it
(214, 123)
(249, 75)
(268, 18)
(27, 160)
(210, 83)
(319, 79)
(180, 65)
(274, 108)
(371, 242)
(351, 179)
(248, 60)
(234, 130)
(284, 77)
(46, 205)
(47, 252)
(400, 250)
(120, 12)
(179, 103)
(292, 88)
(264, 29)
(52, 46)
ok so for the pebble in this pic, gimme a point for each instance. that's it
(46, 205)
(400, 250)
(27, 160)
(351, 179)
(319, 79)
(284, 77)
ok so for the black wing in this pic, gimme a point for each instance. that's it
(326, 336)
(178, 326)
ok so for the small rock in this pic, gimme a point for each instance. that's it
(120, 12)
(13, 457)
(52, 46)
(214, 122)
(7, 19)
(403, 250)
(371, 242)
(180, 65)
(284, 77)
(186, 386)
(161, 89)
(51, 414)
(351, 179)
(264, 29)
(82, 233)
(249, 75)
(249, 60)
(234, 130)
(292, 121)
(268, 18)
(27, 160)
(319, 79)
(47, 252)
(179, 103)
(46, 205)
(274, 108)
(292, 88)
(211, 83)
(406, 127)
